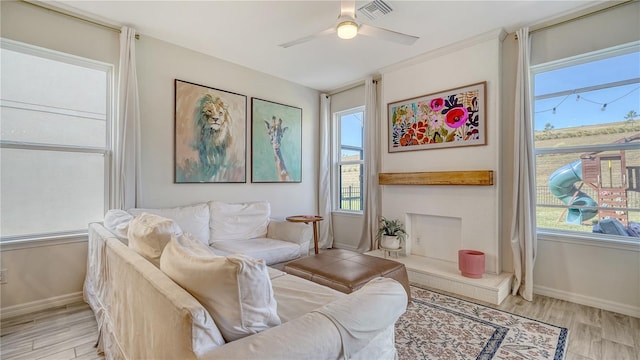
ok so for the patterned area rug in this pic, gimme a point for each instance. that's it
(438, 326)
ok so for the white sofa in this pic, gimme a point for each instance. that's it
(231, 228)
(143, 314)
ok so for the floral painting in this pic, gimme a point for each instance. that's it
(449, 118)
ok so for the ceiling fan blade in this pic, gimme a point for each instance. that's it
(301, 40)
(385, 34)
(348, 8)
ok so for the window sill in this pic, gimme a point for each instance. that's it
(347, 213)
(613, 242)
(35, 242)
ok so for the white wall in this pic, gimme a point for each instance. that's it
(41, 276)
(473, 61)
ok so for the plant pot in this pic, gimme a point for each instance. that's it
(390, 242)
(471, 263)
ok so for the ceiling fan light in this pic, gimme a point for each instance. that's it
(347, 29)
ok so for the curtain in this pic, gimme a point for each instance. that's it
(325, 232)
(127, 129)
(370, 186)
(523, 221)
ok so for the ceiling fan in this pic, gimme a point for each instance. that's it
(347, 27)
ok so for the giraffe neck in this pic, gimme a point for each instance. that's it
(281, 168)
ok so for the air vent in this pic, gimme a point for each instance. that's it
(375, 9)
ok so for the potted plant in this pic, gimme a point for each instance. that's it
(391, 233)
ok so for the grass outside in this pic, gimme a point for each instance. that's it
(351, 205)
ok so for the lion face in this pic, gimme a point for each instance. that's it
(214, 114)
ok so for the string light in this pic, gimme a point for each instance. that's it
(579, 97)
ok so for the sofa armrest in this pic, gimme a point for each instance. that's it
(363, 315)
(297, 233)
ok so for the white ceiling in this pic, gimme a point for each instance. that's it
(248, 32)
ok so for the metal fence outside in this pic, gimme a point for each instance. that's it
(544, 197)
(351, 198)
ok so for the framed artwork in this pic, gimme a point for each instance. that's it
(276, 142)
(210, 135)
(450, 118)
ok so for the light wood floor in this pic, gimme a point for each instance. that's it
(70, 332)
(67, 332)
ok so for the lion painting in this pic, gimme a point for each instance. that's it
(212, 134)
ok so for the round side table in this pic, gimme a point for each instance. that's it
(309, 219)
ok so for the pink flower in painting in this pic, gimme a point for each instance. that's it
(437, 104)
(456, 117)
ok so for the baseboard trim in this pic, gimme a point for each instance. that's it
(588, 300)
(39, 305)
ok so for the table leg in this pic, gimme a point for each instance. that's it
(315, 235)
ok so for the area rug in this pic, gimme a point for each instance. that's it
(437, 326)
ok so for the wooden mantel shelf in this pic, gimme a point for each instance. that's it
(474, 177)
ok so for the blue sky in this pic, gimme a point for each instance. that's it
(351, 130)
(572, 111)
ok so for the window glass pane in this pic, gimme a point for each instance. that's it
(350, 154)
(567, 98)
(50, 191)
(589, 103)
(351, 129)
(351, 187)
(25, 125)
(52, 102)
(32, 79)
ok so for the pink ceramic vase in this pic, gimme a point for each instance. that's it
(471, 263)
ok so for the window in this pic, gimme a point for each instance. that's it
(587, 143)
(348, 171)
(55, 112)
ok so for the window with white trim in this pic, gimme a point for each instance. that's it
(587, 144)
(349, 164)
(55, 114)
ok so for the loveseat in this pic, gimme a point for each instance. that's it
(143, 314)
(230, 228)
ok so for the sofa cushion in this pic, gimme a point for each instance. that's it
(235, 290)
(272, 251)
(233, 221)
(193, 219)
(148, 235)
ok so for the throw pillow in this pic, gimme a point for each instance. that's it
(235, 290)
(236, 221)
(117, 221)
(193, 219)
(148, 235)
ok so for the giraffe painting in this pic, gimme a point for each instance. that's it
(276, 132)
(276, 142)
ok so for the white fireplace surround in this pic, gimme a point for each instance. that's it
(431, 256)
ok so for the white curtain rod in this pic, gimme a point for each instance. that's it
(81, 18)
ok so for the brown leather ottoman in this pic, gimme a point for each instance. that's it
(347, 271)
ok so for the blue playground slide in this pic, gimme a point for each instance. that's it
(561, 184)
